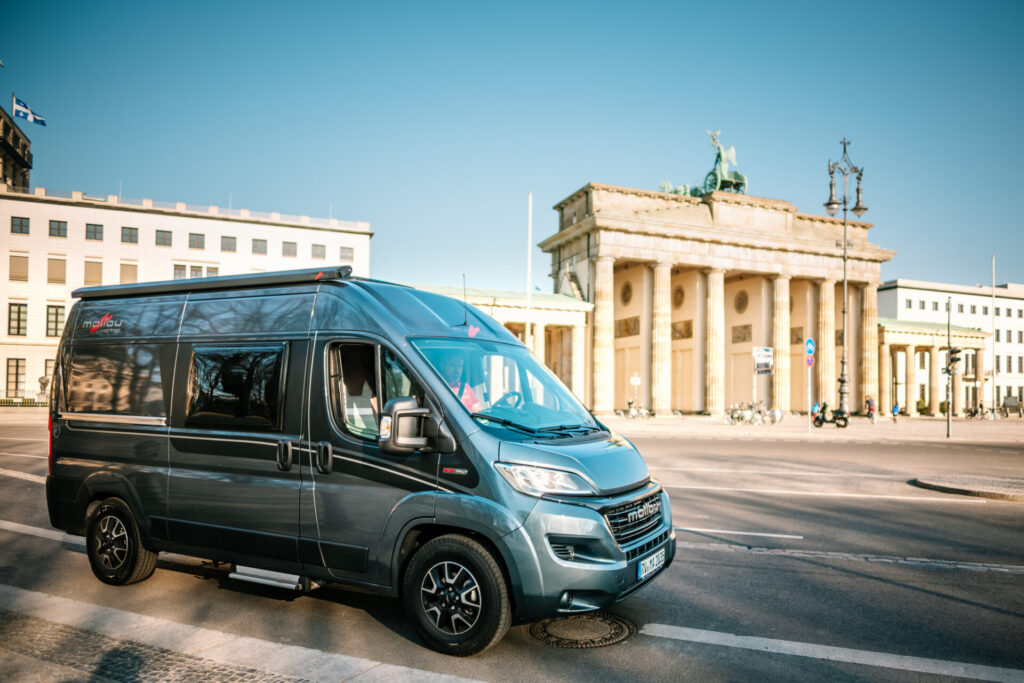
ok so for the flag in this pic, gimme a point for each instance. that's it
(22, 111)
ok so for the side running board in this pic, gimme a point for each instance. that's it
(268, 578)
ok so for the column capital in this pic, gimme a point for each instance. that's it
(604, 259)
(781, 276)
(663, 264)
(715, 271)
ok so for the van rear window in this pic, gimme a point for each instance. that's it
(236, 387)
(118, 379)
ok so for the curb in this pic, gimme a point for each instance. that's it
(966, 491)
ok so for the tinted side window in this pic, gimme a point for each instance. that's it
(357, 394)
(236, 387)
(396, 380)
(120, 379)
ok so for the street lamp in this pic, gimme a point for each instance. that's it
(846, 169)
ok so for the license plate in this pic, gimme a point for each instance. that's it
(649, 565)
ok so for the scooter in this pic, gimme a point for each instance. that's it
(839, 418)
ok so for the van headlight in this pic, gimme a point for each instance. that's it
(537, 481)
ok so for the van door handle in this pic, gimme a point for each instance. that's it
(284, 455)
(324, 457)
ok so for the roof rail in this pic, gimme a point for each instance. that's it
(282, 277)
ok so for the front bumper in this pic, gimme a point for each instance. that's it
(578, 564)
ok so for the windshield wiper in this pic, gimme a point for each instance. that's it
(582, 428)
(507, 423)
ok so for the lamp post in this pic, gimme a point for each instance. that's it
(845, 168)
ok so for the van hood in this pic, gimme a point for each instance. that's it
(612, 464)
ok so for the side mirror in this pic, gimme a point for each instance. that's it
(400, 426)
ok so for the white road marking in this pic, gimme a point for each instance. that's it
(825, 494)
(14, 438)
(23, 475)
(218, 646)
(24, 455)
(938, 667)
(782, 472)
(736, 533)
(51, 534)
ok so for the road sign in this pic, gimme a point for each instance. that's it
(809, 345)
(810, 361)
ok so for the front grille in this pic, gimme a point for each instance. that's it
(650, 545)
(632, 520)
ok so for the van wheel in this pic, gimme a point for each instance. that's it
(114, 546)
(455, 593)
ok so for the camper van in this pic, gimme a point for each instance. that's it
(308, 426)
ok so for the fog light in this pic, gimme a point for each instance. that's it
(565, 602)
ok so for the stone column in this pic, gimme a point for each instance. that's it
(911, 381)
(934, 376)
(884, 381)
(604, 335)
(869, 343)
(539, 342)
(979, 371)
(715, 354)
(780, 342)
(826, 351)
(958, 390)
(577, 360)
(661, 340)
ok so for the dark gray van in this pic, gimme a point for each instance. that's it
(311, 426)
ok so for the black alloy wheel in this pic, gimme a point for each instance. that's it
(114, 546)
(456, 596)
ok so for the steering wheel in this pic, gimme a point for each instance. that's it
(512, 399)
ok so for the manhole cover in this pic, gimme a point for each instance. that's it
(593, 629)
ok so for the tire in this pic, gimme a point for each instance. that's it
(114, 546)
(818, 421)
(842, 422)
(455, 594)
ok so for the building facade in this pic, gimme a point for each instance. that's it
(991, 324)
(55, 242)
(684, 288)
(15, 153)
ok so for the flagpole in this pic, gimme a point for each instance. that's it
(994, 361)
(529, 272)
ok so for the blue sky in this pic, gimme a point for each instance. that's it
(433, 121)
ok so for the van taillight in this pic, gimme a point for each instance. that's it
(49, 455)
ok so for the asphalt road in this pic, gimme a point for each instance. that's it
(797, 561)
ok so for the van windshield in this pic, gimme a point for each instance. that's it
(507, 385)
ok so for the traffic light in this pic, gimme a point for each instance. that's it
(954, 356)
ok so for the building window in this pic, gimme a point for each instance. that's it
(259, 246)
(288, 249)
(212, 272)
(130, 235)
(58, 228)
(1020, 312)
(19, 226)
(56, 271)
(910, 304)
(984, 310)
(54, 321)
(974, 309)
(179, 272)
(1020, 364)
(1009, 336)
(163, 238)
(17, 319)
(346, 254)
(15, 378)
(935, 305)
(196, 240)
(228, 243)
(1020, 336)
(998, 367)
(947, 307)
(93, 231)
(921, 305)
(48, 367)
(19, 268)
(195, 271)
(319, 251)
(997, 335)
(129, 273)
(997, 311)
(1009, 363)
(93, 273)
(959, 308)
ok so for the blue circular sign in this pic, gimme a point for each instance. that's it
(809, 345)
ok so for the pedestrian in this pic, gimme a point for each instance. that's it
(895, 412)
(871, 408)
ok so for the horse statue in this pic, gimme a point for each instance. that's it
(720, 177)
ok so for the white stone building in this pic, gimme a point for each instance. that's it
(993, 356)
(55, 242)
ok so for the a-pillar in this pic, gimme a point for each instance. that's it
(869, 342)
(780, 340)
(577, 361)
(826, 351)
(933, 380)
(911, 390)
(979, 372)
(715, 355)
(661, 340)
(884, 380)
(604, 335)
